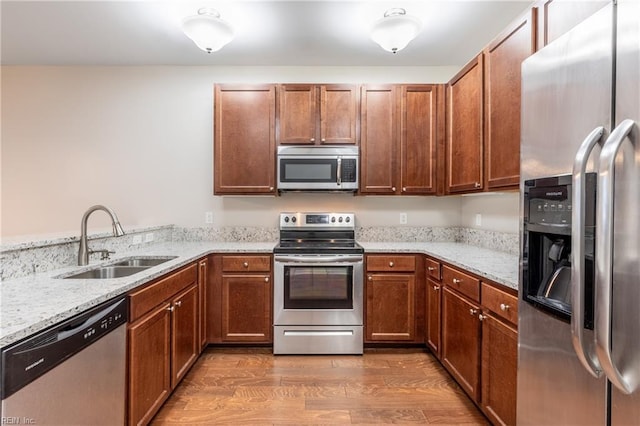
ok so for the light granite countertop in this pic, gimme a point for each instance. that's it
(32, 303)
(496, 266)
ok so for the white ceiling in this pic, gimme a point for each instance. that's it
(276, 33)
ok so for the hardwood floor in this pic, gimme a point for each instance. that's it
(252, 386)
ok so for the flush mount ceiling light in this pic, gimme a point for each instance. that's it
(395, 30)
(207, 30)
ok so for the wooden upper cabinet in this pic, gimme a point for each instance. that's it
(465, 129)
(502, 63)
(317, 114)
(557, 17)
(244, 147)
(418, 124)
(378, 140)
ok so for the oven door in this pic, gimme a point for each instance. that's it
(318, 290)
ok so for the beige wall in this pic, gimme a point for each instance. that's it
(139, 140)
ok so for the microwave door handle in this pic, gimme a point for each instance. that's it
(627, 381)
(586, 353)
(339, 172)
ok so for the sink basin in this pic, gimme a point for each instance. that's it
(108, 272)
(144, 261)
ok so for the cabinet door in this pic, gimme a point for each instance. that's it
(149, 364)
(465, 129)
(461, 341)
(298, 114)
(502, 61)
(390, 309)
(557, 17)
(378, 144)
(338, 114)
(434, 300)
(418, 123)
(244, 149)
(246, 308)
(202, 302)
(185, 345)
(499, 369)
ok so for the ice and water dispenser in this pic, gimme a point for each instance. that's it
(547, 245)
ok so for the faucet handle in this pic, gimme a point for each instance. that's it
(104, 253)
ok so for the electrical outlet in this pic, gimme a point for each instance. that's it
(148, 237)
(137, 239)
(403, 218)
(208, 217)
(478, 219)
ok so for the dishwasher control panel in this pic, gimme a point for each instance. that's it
(30, 358)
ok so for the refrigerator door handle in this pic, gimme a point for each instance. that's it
(586, 353)
(626, 381)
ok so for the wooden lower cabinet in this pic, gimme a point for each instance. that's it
(433, 329)
(149, 364)
(246, 308)
(163, 340)
(391, 300)
(461, 341)
(239, 299)
(499, 369)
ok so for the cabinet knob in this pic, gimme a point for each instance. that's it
(390, 264)
(404, 189)
(456, 281)
(266, 279)
(477, 184)
(436, 288)
(271, 188)
(431, 268)
(393, 188)
(170, 308)
(473, 311)
(312, 139)
(504, 307)
(482, 317)
(178, 303)
(370, 278)
(323, 140)
(245, 264)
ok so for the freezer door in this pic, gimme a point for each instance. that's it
(567, 92)
(625, 348)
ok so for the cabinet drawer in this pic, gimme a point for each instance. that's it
(391, 263)
(461, 282)
(500, 302)
(433, 269)
(143, 300)
(246, 263)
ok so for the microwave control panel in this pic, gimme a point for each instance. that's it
(349, 170)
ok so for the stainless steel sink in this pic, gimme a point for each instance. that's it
(123, 268)
(108, 272)
(144, 261)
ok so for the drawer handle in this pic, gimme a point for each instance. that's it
(457, 281)
(482, 317)
(473, 311)
(390, 264)
(266, 279)
(245, 264)
(504, 307)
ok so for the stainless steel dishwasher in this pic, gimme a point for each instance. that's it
(70, 374)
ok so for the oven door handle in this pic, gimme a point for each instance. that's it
(318, 259)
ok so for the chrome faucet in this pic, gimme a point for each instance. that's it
(83, 253)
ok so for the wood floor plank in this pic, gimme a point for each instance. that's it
(383, 386)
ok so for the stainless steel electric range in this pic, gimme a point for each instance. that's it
(318, 285)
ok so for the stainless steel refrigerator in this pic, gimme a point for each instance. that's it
(579, 325)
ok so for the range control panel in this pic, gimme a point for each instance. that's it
(317, 220)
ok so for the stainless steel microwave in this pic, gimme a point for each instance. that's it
(318, 168)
